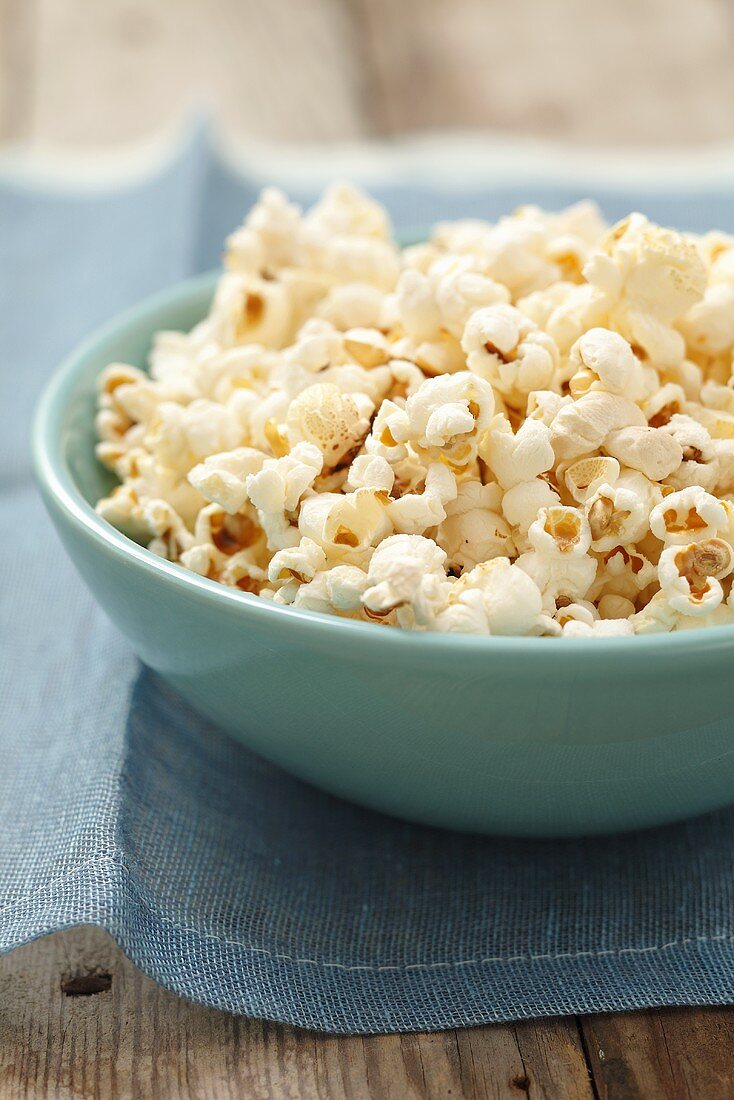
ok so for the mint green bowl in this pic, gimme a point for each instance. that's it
(523, 736)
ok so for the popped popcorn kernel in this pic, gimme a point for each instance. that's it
(520, 428)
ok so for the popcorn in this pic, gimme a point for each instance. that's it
(414, 512)
(690, 575)
(346, 525)
(603, 360)
(518, 457)
(445, 418)
(616, 515)
(406, 575)
(560, 531)
(276, 490)
(601, 628)
(586, 475)
(582, 426)
(300, 563)
(688, 514)
(504, 347)
(222, 478)
(472, 532)
(334, 422)
(512, 601)
(653, 451)
(520, 428)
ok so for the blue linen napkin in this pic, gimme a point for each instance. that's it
(219, 875)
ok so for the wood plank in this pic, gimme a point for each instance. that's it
(109, 72)
(17, 19)
(78, 1020)
(642, 72)
(666, 1054)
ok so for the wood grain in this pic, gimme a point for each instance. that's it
(668, 1054)
(113, 71)
(78, 1020)
(636, 71)
(17, 27)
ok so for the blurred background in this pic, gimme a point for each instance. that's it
(647, 73)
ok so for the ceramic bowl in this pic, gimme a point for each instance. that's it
(523, 736)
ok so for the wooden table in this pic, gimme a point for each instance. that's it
(77, 1019)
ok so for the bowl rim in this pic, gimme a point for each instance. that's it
(55, 479)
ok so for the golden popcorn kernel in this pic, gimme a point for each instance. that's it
(600, 517)
(252, 312)
(664, 415)
(581, 382)
(692, 522)
(366, 354)
(232, 533)
(275, 437)
(492, 349)
(248, 584)
(706, 559)
(564, 528)
(345, 537)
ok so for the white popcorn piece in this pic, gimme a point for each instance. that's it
(352, 305)
(276, 490)
(612, 606)
(581, 427)
(300, 563)
(616, 515)
(655, 452)
(346, 525)
(222, 478)
(603, 360)
(445, 418)
(345, 585)
(466, 615)
(371, 472)
(406, 574)
(690, 575)
(700, 463)
(522, 503)
(512, 600)
(472, 531)
(584, 476)
(623, 571)
(504, 347)
(518, 457)
(708, 326)
(657, 617)
(600, 628)
(652, 277)
(557, 578)
(560, 531)
(582, 611)
(414, 512)
(335, 422)
(688, 514)
(251, 310)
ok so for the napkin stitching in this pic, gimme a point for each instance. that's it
(300, 961)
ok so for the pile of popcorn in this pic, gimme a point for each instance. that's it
(516, 428)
